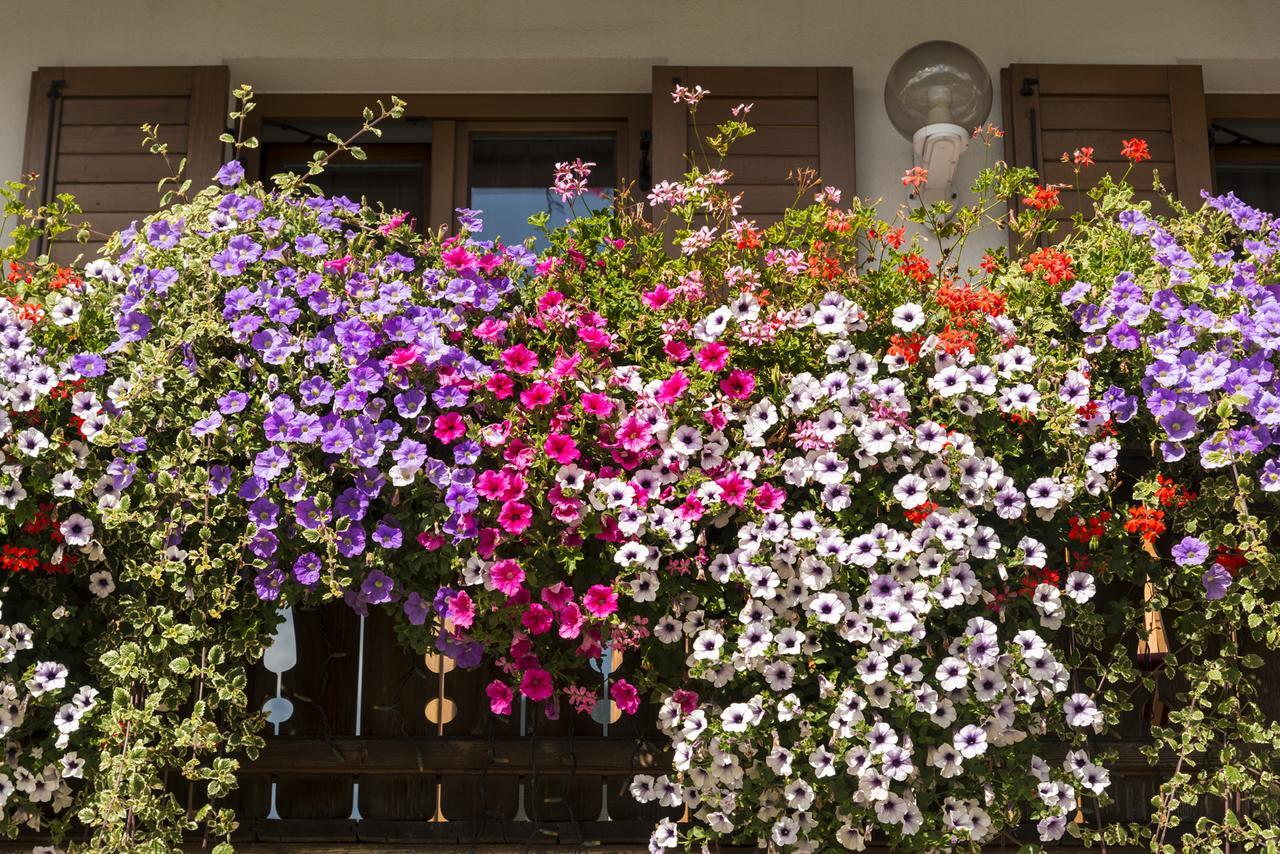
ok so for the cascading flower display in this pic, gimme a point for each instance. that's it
(855, 517)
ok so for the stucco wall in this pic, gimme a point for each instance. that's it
(410, 46)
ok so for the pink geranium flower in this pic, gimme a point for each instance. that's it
(519, 359)
(600, 600)
(507, 576)
(713, 357)
(515, 517)
(500, 697)
(536, 685)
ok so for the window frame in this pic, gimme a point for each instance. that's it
(1225, 107)
(454, 117)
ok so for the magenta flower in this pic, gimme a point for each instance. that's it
(600, 600)
(536, 685)
(500, 697)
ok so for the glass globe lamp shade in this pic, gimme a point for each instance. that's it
(937, 82)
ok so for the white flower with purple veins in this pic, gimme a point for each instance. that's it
(706, 646)
(1015, 360)
(911, 491)
(1020, 398)
(1093, 778)
(952, 674)
(1081, 711)
(48, 676)
(1044, 493)
(30, 442)
(970, 741)
(1101, 456)
(77, 530)
(908, 317)
(827, 607)
(1080, 587)
(686, 440)
(951, 381)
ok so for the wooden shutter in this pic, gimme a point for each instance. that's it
(803, 118)
(1054, 109)
(84, 124)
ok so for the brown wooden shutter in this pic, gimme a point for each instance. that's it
(1054, 109)
(84, 123)
(803, 118)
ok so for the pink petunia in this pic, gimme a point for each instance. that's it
(677, 351)
(462, 611)
(515, 517)
(671, 388)
(566, 365)
(537, 619)
(660, 297)
(738, 385)
(634, 434)
(501, 386)
(626, 696)
(687, 700)
(600, 600)
(450, 427)
(403, 357)
(537, 395)
(557, 595)
(458, 258)
(507, 576)
(500, 697)
(519, 359)
(733, 489)
(491, 484)
(490, 330)
(571, 620)
(561, 448)
(713, 357)
(596, 404)
(536, 685)
(769, 498)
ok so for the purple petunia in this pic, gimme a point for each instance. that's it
(1190, 552)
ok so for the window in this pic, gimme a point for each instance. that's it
(1245, 134)
(491, 152)
(509, 176)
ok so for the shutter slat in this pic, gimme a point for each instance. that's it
(131, 112)
(1119, 113)
(771, 111)
(96, 198)
(117, 139)
(1105, 144)
(785, 141)
(111, 168)
(1139, 176)
(803, 118)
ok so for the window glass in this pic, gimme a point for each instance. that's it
(511, 175)
(1247, 161)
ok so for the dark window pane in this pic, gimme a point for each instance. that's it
(1257, 185)
(511, 176)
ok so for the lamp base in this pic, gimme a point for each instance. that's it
(938, 148)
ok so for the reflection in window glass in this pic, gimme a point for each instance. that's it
(398, 186)
(1246, 156)
(511, 176)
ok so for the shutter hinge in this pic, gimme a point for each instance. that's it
(1028, 86)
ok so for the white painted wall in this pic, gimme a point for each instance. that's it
(407, 46)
